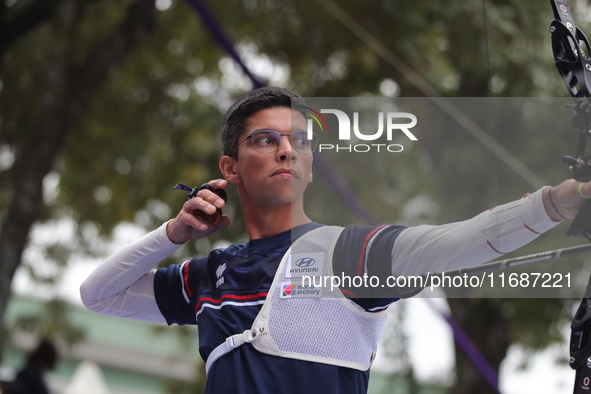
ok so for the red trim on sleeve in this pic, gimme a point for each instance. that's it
(231, 296)
(364, 247)
(531, 229)
(186, 280)
(493, 248)
(349, 293)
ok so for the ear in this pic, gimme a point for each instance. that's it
(310, 177)
(228, 169)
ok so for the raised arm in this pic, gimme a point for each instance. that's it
(487, 236)
(123, 285)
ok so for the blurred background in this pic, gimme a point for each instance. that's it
(106, 105)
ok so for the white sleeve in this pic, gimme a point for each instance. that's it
(123, 285)
(500, 230)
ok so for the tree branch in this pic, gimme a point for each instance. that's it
(133, 30)
(26, 20)
(68, 91)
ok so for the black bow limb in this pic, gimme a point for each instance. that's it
(571, 54)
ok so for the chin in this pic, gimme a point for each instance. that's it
(283, 198)
(277, 200)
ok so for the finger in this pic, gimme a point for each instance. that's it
(218, 183)
(189, 224)
(202, 207)
(212, 198)
(200, 203)
(584, 189)
(211, 228)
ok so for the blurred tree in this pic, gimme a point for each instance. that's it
(36, 137)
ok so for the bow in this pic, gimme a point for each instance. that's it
(571, 50)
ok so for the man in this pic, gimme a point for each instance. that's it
(30, 379)
(277, 343)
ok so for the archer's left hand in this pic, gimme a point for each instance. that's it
(565, 200)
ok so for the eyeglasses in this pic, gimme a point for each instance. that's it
(267, 141)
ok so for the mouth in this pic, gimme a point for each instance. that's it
(286, 172)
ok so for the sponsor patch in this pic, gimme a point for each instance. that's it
(309, 264)
(294, 290)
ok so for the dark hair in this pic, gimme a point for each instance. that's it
(44, 355)
(249, 104)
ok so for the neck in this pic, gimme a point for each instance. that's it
(265, 221)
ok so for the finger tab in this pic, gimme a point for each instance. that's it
(213, 218)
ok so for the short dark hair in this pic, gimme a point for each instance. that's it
(45, 354)
(247, 105)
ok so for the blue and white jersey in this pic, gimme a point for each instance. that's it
(224, 292)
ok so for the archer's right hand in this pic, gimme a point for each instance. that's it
(187, 226)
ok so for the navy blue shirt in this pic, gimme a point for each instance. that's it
(224, 292)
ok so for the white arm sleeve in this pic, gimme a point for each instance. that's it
(500, 230)
(123, 285)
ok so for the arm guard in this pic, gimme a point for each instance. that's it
(491, 234)
(123, 285)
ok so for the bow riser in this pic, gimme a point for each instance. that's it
(571, 49)
(571, 59)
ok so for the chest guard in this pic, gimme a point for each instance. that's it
(302, 318)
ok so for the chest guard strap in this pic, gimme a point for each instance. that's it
(338, 331)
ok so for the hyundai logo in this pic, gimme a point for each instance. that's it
(305, 262)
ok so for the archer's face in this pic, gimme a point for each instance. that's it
(278, 177)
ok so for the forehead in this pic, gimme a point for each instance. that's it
(276, 118)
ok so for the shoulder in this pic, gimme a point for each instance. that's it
(357, 236)
(356, 241)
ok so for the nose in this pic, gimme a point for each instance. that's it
(285, 151)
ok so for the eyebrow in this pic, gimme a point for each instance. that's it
(279, 131)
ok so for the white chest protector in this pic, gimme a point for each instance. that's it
(310, 323)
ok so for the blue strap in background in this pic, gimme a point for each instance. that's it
(223, 40)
